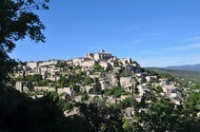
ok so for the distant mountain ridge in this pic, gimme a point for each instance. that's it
(195, 67)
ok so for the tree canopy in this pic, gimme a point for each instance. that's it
(18, 21)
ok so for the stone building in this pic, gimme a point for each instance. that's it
(88, 64)
(19, 86)
(102, 55)
(105, 65)
(126, 60)
(48, 63)
(33, 64)
(127, 82)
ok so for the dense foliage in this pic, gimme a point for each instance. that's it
(17, 21)
(116, 92)
(21, 113)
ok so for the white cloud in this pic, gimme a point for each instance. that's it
(193, 38)
(136, 41)
(186, 47)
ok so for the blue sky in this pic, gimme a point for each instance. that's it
(153, 32)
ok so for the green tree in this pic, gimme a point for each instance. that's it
(115, 91)
(162, 115)
(87, 80)
(96, 87)
(84, 96)
(128, 102)
(98, 68)
(7, 65)
(99, 117)
(196, 86)
(159, 89)
(33, 78)
(62, 65)
(192, 102)
(21, 113)
(18, 21)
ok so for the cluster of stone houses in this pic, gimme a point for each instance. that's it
(137, 80)
(102, 58)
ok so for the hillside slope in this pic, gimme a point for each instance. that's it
(195, 67)
(188, 74)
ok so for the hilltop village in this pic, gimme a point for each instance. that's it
(97, 75)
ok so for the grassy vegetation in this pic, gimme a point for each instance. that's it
(189, 75)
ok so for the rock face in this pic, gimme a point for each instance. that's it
(127, 82)
(108, 81)
(129, 111)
